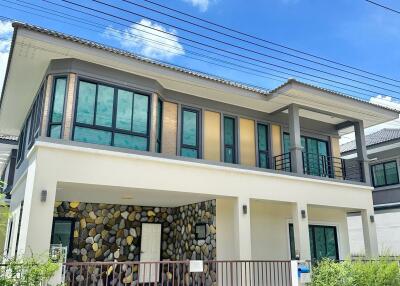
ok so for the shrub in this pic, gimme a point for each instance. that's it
(26, 271)
(382, 272)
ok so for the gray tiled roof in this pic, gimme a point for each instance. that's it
(178, 68)
(381, 136)
(8, 137)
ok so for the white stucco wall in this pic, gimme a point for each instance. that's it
(270, 234)
(225, 229)
(388, 231)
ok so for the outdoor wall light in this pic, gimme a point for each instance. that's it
(43, 196)
(244, 209)
(303, 214)
(372, 218)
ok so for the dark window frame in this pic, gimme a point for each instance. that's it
(235, 139)
(19, 226)
(198, 133)
(10, 229)
(267, 151)
(311, 229)
(71, 238)
(159, 127)
(113, 129)
(203, 225)
(53, 92)
(21, 146)
(384, 174)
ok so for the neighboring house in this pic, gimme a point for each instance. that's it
(383, 148)
(8, 152)
(126, 158)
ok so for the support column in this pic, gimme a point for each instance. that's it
(369, 232)
(37, 215)
(301, 231)
(362, 151)
(295, 139)
(242, 229)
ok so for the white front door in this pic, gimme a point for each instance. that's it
(150, 251)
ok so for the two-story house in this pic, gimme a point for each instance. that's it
(383, 149)
(126, 158)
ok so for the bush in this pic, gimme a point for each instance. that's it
(382, 272)
(26, 271)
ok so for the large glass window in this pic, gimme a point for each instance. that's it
(315, 154)
(385, 174)
(229, 140)
(62, 233)
(112, 116)
(323, 242)
(57, 107)
(262, 141)
(190, 142)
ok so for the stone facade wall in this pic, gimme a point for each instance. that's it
(105, 232)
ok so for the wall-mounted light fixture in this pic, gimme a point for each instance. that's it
(43, 196)
(244, 209)
(303, 214)
(372, 218)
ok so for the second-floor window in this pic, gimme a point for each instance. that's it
(108, 115)
(190, 141)
(159, 126)
(229, 140)
(385, 174)
(57, 107)
(262, 143)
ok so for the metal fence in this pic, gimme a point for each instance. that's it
(176, 273)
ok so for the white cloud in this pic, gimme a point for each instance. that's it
(385, 101)
(202, 5)
(5, 42)
(148, 39)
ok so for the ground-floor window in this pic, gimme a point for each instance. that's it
(323, 242)
(62, 233)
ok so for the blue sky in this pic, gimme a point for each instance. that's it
(353, 32)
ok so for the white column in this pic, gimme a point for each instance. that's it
(301, 231)
(37, 216)
(242, 229)
(369, 232)
(295, 139)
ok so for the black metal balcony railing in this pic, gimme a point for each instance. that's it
(283, 162)
(323, 166)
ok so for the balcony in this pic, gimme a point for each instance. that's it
(322, 166)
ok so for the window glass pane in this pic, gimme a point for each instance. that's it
(88, 135)
(322, 148)
(262, 137)
(392, 176)
(286, 143)
(320, 246)
(187, 152)
(130, 141)
(140, 113)
(229, 131)
(189, 128)
(378, 175)
(303, 142)
(263, 160)
(58, 100)
(124, 110)
(330, 243)
(229, 156)
(62, 233)
(105, 103)
(86, 101)
(311, 237)
(55, 131)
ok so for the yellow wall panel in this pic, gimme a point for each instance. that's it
(247, 142)
(169, 128)
(276, 140)
(212, 136)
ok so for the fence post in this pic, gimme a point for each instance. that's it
(293, 272)
(58, 277)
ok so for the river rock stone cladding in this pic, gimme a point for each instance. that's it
(107, 232)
